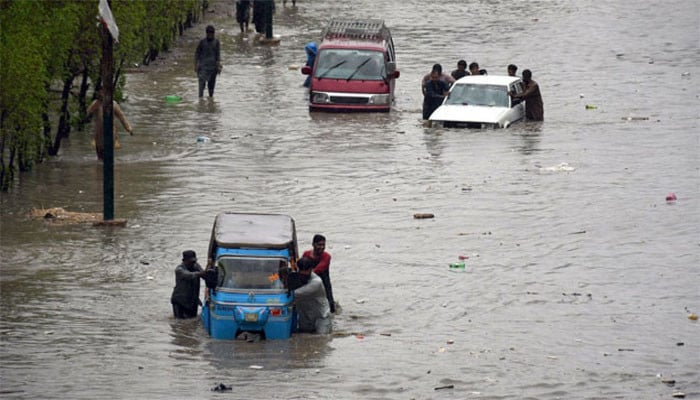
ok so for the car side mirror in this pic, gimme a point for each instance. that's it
(306, 70)
(396, 74)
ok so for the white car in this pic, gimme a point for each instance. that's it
(481, 101)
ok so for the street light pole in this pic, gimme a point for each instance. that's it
(107, 124)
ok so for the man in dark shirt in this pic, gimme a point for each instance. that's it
(207, 61)
(534, 108)
(185, 297)
(461, 70)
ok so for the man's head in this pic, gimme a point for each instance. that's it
(512, 69)
(527, 75)
(210, 32)
(319, 244)
(461, 65)
(437, 68)
(189, 257)
(305, 265)
(474, 68)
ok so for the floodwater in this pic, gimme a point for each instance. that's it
(579, 280)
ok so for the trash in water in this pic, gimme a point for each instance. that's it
(173, 98)
(693, 317)
(445, 387)
(635, 118)
(590, 107)
(202, 139)
(256, 367)
(457, 266)
(463, 257)
(221, 388)
(678, 395)
(423, 215)
(671, 197)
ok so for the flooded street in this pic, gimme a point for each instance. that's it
(579, 280)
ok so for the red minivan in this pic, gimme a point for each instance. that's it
(355, 68)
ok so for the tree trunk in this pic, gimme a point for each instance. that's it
(82, 99)
(64, 121)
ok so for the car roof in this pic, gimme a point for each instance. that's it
(488, 79)
(253, 230)
(352, 44)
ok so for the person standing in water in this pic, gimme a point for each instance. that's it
(95, 109)
(207, 61)
(322, 265)
(534, 107)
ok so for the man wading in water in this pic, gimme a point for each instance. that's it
(207, 62)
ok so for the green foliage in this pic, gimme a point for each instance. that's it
(44, 44)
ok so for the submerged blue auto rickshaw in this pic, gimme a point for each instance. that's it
(251, 254)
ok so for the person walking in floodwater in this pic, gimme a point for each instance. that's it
(534, 108)
(243, 14)
(207, 61)
(95, 109)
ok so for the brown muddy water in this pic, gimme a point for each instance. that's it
(580, 276)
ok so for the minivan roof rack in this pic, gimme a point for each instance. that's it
(373, 29)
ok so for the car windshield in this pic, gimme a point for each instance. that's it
(350, 65)
(478, 95)
(250, 272)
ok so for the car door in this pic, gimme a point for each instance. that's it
(517, 106)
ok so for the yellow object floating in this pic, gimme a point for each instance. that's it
(693, 317)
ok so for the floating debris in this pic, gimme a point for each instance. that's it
(445, 387)
(678, 395)
(256, 367)
(457, 265)
(591, 107)
(693, 317)
(59, 215)
(668, 381)
(635, 118)
(423, 215)
(221, 388)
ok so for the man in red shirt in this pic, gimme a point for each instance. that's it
(322, 261)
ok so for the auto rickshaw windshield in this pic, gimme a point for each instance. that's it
(249, 273)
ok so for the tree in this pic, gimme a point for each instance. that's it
(45, 46)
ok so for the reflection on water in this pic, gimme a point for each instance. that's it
(571, 251)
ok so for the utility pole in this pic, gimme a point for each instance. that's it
(107, 124)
